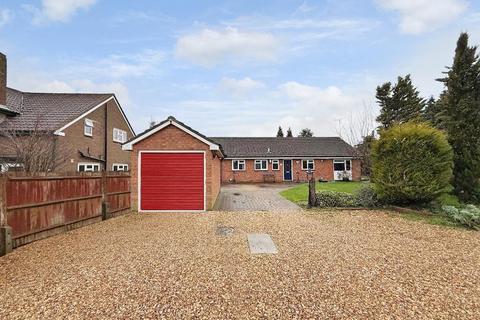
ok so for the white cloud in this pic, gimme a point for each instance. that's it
(5, 17)
(209, 47)
(240, 87)
(33, 81)
(417, 16)
(119, 65)
(58, 10)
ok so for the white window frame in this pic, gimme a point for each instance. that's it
(5, 167)
(308, 162)
(119, 135)
(275, 162)
(344, 161)
(92, 165)
(124, 166)
(88, 124)
(239, 162)
(261, 161)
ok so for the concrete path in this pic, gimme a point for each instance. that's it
(254, 197)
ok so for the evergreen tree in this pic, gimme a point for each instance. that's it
(280, 132)
(399, 103)
(289, 133)
(364, 151)
(306, 133)
(459, 115)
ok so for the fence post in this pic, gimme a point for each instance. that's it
(104, 195)
(312, 198)
(5, 230)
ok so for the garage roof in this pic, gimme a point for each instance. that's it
(172, 121)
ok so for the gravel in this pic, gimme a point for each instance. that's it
(348, 264)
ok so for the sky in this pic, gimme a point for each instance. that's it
(234, 68)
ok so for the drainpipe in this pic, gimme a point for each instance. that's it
(105, 145)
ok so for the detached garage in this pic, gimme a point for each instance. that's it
(174, 168)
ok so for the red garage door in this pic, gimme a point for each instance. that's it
(172, 181)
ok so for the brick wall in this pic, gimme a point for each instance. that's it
(75, 139)
(3, 79)
(172, 138)
(323, 170)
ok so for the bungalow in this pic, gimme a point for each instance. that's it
(176, 168)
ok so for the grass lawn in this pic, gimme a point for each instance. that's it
(299, 194)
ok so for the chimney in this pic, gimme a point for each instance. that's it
(3, 79)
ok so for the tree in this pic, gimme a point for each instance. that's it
(412, 163)
(431, 114)
(289, 133)
(364, 152)
(306, 133)
(359, 130)
(399, 103)
(33, 151)
(459, 114)
(280, 132)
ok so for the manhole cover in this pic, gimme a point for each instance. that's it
(261, 243)
(224, 231)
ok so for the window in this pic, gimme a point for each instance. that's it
(88, 167)
(119, 135)
(238, 165)
(261, 165)
(88, 128)
(308, 164)
(275, 165)
(120, 167)
(342, 165)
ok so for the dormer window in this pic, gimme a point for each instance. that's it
(88, 128)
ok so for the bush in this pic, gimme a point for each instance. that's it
(412, 163)
(367, 197)
(468, 216)
(447, 199)
(335, 199)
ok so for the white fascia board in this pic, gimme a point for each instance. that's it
(129, 145)
(60, 132)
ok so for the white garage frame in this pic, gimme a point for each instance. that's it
(139, 178)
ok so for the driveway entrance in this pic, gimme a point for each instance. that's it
(254, 197)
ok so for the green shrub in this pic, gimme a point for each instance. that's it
(412, 163)
(367, 197)
(447, 199)
(328, 199)
(468, 216)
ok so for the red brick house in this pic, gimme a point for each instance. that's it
(85, 132)
(175, 167)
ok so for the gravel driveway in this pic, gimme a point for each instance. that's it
(255, 197)
(360, 265)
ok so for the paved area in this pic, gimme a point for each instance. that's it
(254, 197)
(338, 265)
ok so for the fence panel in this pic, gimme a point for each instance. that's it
(118, 193)
(41, 206)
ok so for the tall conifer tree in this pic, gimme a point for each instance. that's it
(459, 115)
(399, 103)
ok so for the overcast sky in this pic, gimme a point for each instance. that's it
(233, 67)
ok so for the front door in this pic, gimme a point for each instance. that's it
(287, 170)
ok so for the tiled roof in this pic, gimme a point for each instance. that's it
(48, 111)
(244, 147)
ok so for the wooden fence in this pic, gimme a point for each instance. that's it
(36, 207)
